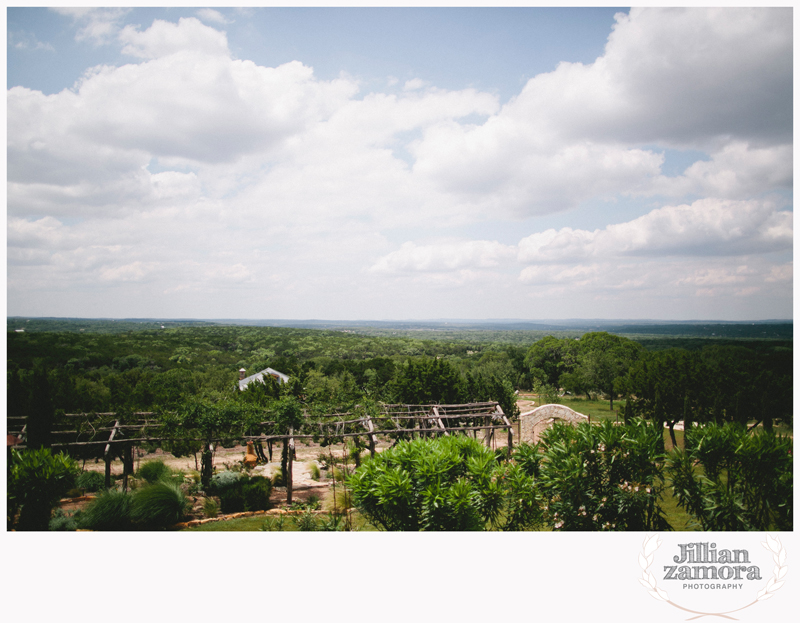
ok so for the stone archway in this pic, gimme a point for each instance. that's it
(533, 423)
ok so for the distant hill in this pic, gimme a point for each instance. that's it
(439, 328)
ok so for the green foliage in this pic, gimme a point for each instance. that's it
(450, 483)
(153, 471)
(110, 511)
(238, 492)
(602, 477)
(222, 481)
(313, 470)
(744, 480)
(37, 479)
(256, 491)
(210, 507)
(306, 521)
(158, 505)
(62, 522)
(529, 458)
(90, 481)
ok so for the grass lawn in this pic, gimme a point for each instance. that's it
(274, 523)
(596, 409)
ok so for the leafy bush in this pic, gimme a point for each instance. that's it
(602, 477)
(36, 481)
(90, 481)
(745, 480)
(256, 491)
(61, 522)
(238, 492)
(223, 480)
(306, 521)
(111, 510)
(159, 505)
(450, 483)
(153, 471)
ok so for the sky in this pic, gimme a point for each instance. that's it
(400, 163)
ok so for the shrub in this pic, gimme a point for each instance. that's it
(306, 521)
(256, 491)
(602, 477)
(450, 483)
(36, 481)
(313, 470)
(231, 500)
(61, 522)
(90, 481)
(159, 505)
(238, 492)
(111, 510)
(210, 507)
(745, 482)
(153, 471)
(222, 481)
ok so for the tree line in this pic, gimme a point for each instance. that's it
(165, 369)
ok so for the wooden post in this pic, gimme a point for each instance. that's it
(439, 421)
(127, 464)
(289, 462)
(207, 464)
(107, 455)
(499, 410)
(372, 440)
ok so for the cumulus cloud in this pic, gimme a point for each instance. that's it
(675, 77)
(706, 227)
(194, 175)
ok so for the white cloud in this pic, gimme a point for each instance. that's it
(99, 25)
(444, 256)
(189, 35)
(217, 183)
(736, 171)
(211, 15)
(675, 77)
(704, 228)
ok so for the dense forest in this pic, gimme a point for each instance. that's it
(66, 366)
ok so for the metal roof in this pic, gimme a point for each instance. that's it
(259, 376)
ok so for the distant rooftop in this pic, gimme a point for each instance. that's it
(259, 376)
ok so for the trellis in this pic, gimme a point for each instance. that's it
(395, 421)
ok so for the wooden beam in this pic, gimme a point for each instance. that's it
(439, 421)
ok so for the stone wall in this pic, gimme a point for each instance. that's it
(532, 423)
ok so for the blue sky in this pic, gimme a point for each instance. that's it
(400, 163)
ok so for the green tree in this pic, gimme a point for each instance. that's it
(605, 358)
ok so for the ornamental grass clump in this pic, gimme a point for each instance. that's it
(159, 505)
(451, 483)
(111, 510)
(153, 471)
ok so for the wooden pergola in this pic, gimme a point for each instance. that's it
(79, 432)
